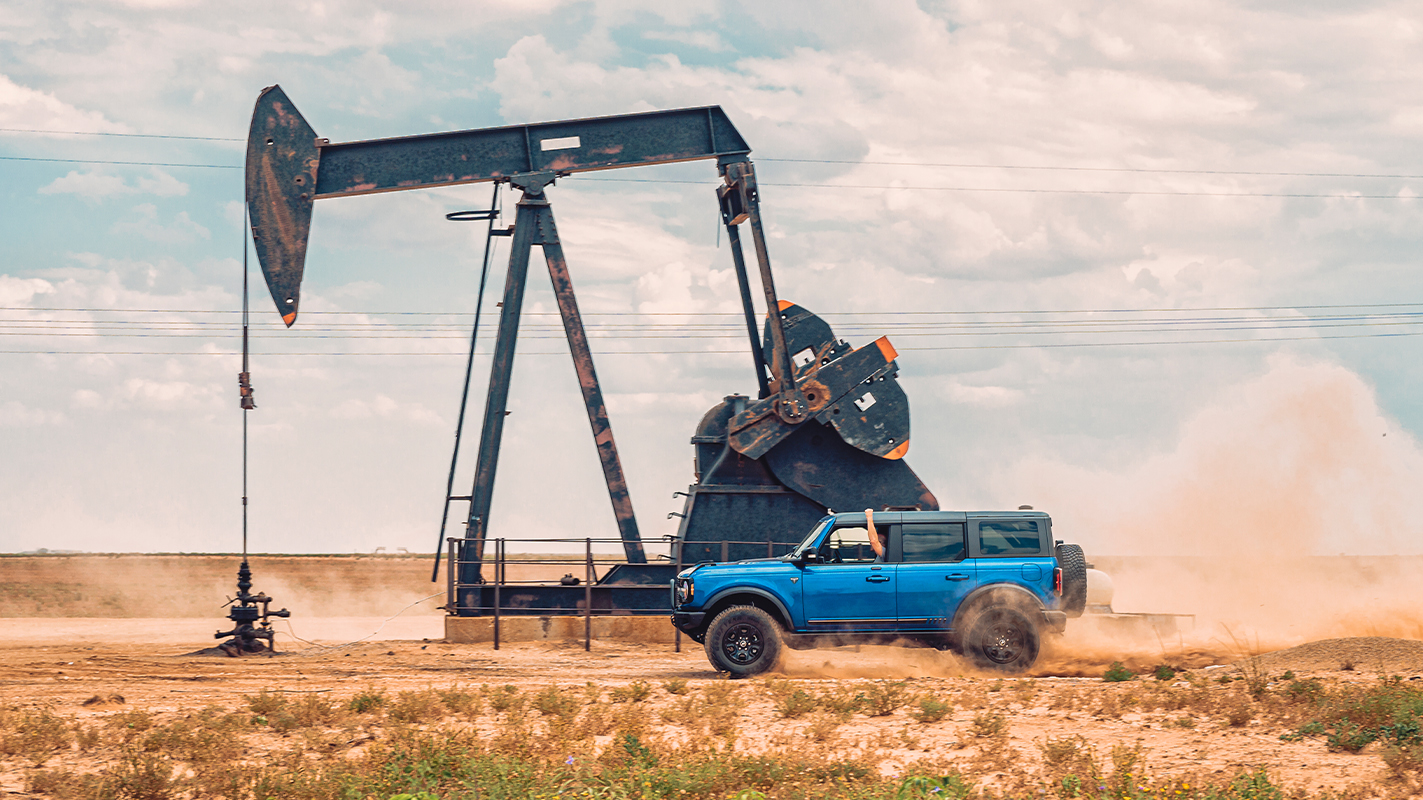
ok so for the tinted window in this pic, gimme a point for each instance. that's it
(848, 545)
(936, 542)
(1005, 538)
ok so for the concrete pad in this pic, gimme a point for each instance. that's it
(475, 630)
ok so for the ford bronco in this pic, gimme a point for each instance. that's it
(986, 584)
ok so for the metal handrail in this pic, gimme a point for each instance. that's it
(588, 559)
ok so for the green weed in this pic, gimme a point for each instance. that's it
(1117, 673)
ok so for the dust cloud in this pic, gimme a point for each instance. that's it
(175, 586)
(1287, 511)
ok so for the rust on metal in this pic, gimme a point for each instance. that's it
(283, 158)
(592, 391)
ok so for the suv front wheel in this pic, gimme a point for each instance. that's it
(1002, 639)
(744, 641)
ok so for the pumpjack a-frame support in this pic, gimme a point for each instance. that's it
(534, 225)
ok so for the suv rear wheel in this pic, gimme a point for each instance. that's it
(1002, 639)
(744, 641)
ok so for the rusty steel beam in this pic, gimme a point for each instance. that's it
(790, 403)
(743, 283)
(289, 166)
(497, 401)
(592, 391)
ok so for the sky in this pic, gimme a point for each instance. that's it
(1151, 268)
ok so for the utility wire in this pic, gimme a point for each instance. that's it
(1008, 190)
(741, 351)
(121, 163)
(1145, 170)
(1260, 324)
(127, 135)
(738, 314)
(941, 165)
(874, 187)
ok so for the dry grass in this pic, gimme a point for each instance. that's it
(828, 739)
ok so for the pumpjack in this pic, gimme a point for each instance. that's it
(827, 429)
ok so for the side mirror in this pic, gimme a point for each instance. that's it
(810, 556)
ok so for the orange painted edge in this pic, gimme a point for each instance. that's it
(885, 347)
(898, 452)
(784, 304)
(289, 318)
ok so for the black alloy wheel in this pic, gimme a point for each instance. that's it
(742, 644)
(1002, 639)
(744, 641)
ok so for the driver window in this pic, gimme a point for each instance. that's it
(848, 545)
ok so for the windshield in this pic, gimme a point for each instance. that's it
(808, 542)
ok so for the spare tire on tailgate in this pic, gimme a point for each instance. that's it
(1074, 578)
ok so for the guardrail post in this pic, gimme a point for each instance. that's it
(451, 569)
(676, 632)
(588, 596)
(725, 551)
(498, 580)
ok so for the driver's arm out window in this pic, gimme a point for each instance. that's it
(848, 545)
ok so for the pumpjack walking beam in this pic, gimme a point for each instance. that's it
(289, 167)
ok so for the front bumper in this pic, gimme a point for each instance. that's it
(689, 621)
(1055, 621)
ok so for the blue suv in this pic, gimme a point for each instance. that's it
(986, 584)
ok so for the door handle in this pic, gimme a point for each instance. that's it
(956, 576)
(877, 578)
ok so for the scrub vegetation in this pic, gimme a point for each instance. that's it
(679, 739)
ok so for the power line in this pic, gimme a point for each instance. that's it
(1145, 170)
(738, 314)
(730, 333)
(127, 135)
(121, 163)
(941, 165)
(872, 187)
(1008, 190)
(1047, 345)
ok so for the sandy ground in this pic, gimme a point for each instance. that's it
(141, 628)
(166, 666)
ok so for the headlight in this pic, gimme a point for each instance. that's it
(685, 590)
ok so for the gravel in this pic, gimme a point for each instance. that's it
(1366, 654)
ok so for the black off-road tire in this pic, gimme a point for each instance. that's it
(1074, 578)
(744, 641)
(1001, 639)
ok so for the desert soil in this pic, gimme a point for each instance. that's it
(171, 672)
(167, 666)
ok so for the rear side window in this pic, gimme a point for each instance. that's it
(933, 542)
(1009, 538)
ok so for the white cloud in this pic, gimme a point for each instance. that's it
(14, 414)
(20, 291)
(985, 396)
(23, 107)
(384, 407)
(705, 40)
(181, 230)
(158, 395)
(95, 185)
